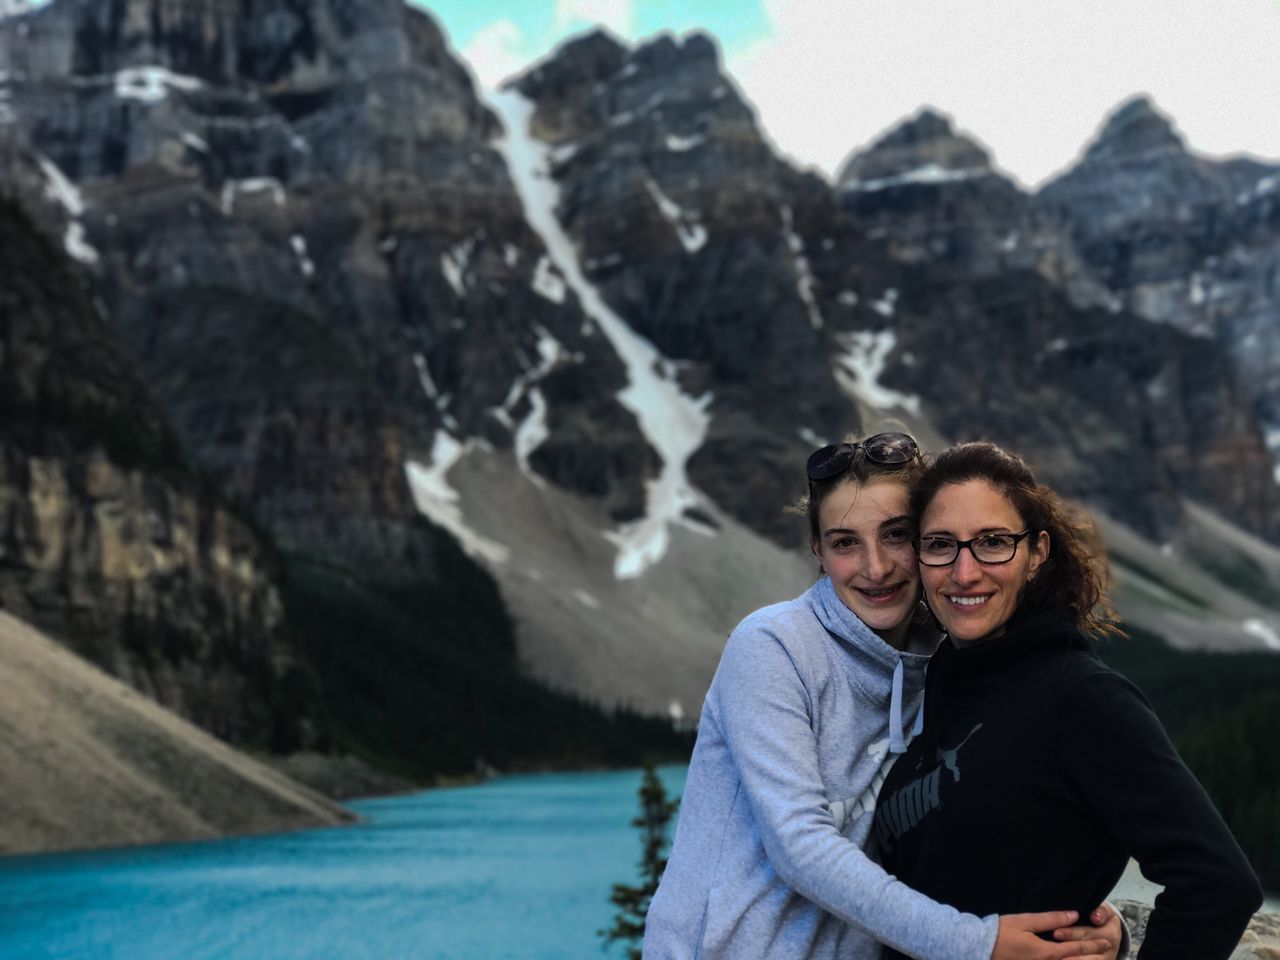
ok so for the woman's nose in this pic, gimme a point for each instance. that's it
(966, 568)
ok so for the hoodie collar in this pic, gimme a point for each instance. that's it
(843, 625)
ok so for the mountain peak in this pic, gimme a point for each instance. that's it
(927, 141)
(1137, 128)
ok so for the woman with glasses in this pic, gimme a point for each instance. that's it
(1039, 771)
(810, 698)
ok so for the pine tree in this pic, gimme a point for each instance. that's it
(654, 822)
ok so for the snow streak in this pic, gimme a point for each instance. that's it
(151, 84)
(1263, 631)
(929, 173)
(673, 423)
(693, 235)
(439, 501)
(858, 370)
(804, 276)
(65, 193)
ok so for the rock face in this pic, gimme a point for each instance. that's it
(1183, 240)
(708, 246)
(313, 251)
(108, 539)
(974, 309)
(1095, 366)
(936, 198)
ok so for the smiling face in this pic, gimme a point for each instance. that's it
(975, 600)
(865, 545)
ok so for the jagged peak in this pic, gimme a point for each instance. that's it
(927, 143)
(666, 48)
(593, 56)
(1134, 129)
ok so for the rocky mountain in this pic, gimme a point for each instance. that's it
(1181, 239)
(590, 325)
(109, 539)
(935, 196)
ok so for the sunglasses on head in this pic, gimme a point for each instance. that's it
(888, 449)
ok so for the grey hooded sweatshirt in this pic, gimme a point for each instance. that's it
(768, 857)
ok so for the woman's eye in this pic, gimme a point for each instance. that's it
(996, 541)
(844, 543)
(936, 545)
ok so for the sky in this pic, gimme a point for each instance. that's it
(1030, 79)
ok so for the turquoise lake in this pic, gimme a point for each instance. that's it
(520, 867)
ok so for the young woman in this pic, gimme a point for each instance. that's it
(1040, 771)
(810, 698)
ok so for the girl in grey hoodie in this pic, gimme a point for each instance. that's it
(806, 711)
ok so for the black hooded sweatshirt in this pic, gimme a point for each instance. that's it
(1040, 771)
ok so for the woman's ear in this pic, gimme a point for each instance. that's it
(1038, 550)
(816, 548)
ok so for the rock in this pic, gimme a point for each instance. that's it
(109, 540)
(1261, 940)
(89, 763)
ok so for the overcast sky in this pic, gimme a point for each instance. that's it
(1031, 79)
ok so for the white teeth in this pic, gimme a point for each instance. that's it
(967, 601)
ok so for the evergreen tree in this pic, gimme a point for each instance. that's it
(654, 822)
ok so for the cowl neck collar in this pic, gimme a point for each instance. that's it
(863, 643)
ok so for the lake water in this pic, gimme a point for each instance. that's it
(519, 867)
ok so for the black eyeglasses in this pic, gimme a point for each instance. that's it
(888, 449)
(990, 548)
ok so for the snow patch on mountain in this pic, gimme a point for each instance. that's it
(437, 500)
(887, 303)
(547, 282)
(433, 394)
(453, 264)
(804, 276)
(232, 188)
(533, 429)
(859, 367)
(7, 114)
(151, 84)
(680, 144)
(927, 174)
(673, 423)
(1266, 185)
(305, 264)
(693, 235)
(1271, 435)
(1263, 631)
(65, 193)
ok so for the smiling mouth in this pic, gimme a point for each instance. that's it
(880, 596)
(969, 601)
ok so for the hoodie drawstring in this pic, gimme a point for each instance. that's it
(898, 743)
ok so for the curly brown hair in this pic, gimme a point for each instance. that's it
(1075, 573)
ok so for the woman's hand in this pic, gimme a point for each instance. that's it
(1018, 938)
(1106, 922)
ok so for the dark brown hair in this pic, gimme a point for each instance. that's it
(1075, 573)
(860, 471)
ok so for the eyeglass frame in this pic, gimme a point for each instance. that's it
(968, 544)
(847, 451)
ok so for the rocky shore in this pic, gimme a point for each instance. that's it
(1261, 941)
(89, 762)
